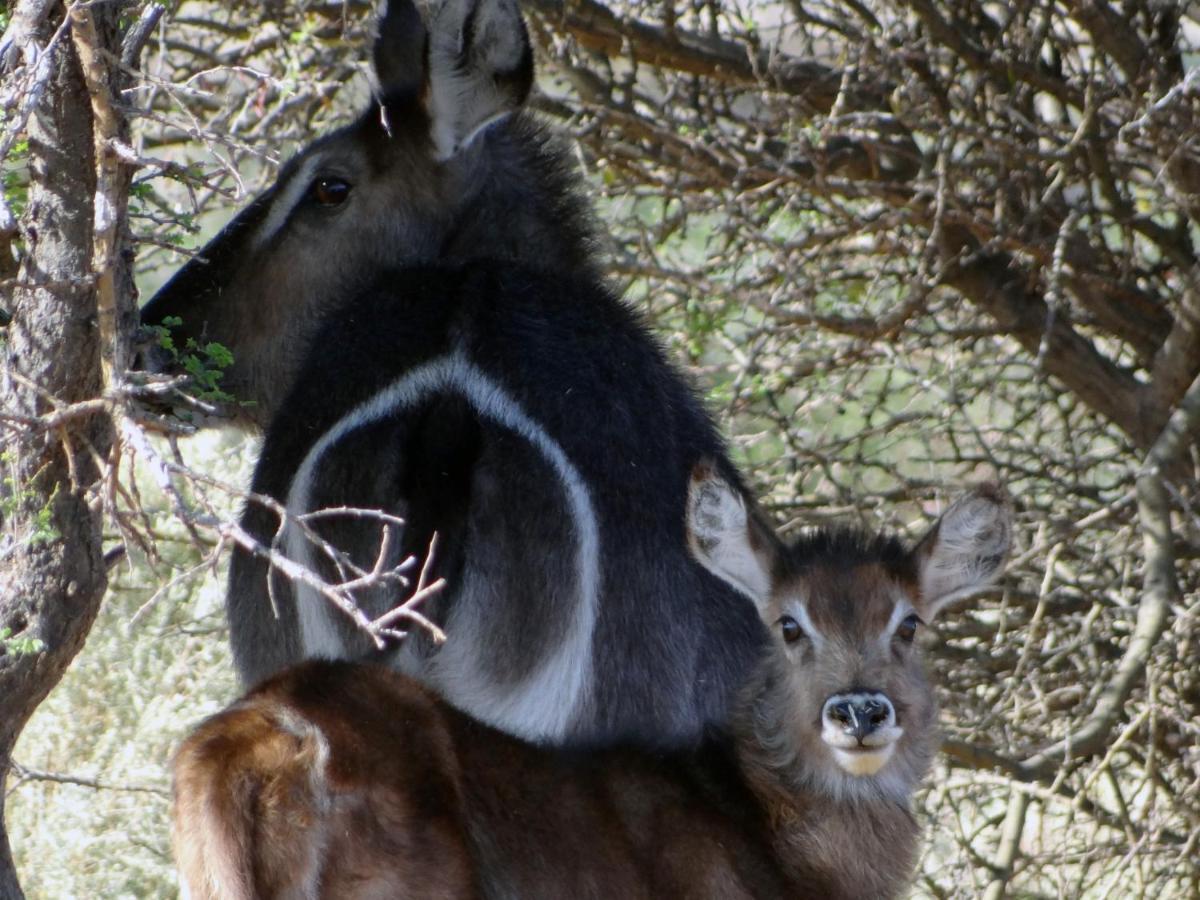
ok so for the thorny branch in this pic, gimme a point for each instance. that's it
(23, 774)
(169, 473)
(107, 126)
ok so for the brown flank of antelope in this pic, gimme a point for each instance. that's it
(336, 779)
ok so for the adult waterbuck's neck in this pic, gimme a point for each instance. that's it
(445, 166)
(343, 780)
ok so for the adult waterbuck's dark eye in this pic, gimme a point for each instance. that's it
(790, 629)
(329, 191)
(907, 629)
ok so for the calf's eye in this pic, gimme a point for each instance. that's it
(790, 629)
(907, 629)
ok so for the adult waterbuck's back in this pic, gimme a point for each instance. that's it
(343, 780)
(414, 311)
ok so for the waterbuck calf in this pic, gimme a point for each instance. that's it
(350, 781)
(414, 310)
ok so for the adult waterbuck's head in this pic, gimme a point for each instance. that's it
(846, 705)
(444, 166)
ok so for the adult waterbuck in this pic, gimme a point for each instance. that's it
(414, 312)
(342, 780)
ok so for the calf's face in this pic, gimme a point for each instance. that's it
(847, 702)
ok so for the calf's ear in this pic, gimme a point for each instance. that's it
(965, 550)
(724, 538)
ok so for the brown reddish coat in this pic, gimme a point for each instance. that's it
(343, 780)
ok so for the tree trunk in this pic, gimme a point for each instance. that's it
(71, 294)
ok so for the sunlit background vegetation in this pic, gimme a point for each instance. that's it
(790, 247)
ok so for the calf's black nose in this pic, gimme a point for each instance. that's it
(859, 714)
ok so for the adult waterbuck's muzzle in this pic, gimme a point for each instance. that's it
(442, 166)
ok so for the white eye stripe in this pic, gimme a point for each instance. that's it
(796, 610)
(287, 199)
(901, 611)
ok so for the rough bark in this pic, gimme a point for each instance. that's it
(52, 573)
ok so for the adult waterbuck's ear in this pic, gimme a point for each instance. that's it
(400, 52)
(470, 66)
(965, 550)
(725, 538)
(480, 69)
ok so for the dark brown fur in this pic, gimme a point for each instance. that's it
(344, 780)
(358, 782)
